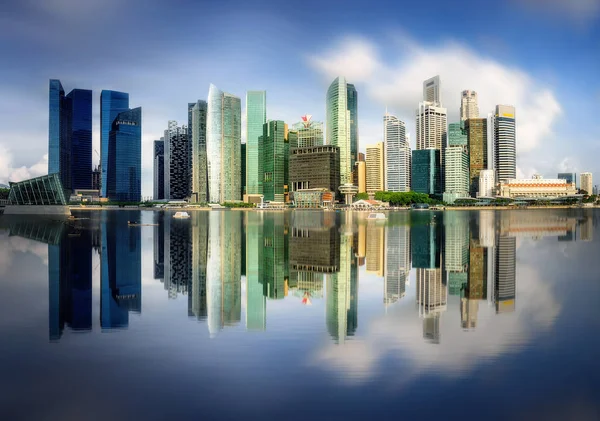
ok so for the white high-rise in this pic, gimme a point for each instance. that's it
(397, 155)
(585, 179)
(432, 91)
(468, 105)
(504, 141)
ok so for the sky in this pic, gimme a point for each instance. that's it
(542, 56)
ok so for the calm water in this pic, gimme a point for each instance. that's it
(301, 315)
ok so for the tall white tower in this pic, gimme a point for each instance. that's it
(468, 105)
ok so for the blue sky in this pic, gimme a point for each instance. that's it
(542, 56)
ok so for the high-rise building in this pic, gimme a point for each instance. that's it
(310, 133)
(457, 135)
(159, 169)
(223, 146)
(124, 172)
(397, 262)
(315, 167)
(111, 104)
(70, 136)
(487, 183)
(375, 168)
(397, 155)
(431, 124)
(176, 163)
(426, 171)
(468, 105)
(197, 294)
(256, 302)
(432, 91)
(505, 152)
(243, 171)
(199, 161)
(360, 176)
(477, 140)
(256, 117)
(505, 274)
(571, 177)
(275, 152)
(339, 126)
(352, 99)
(456, 174)
(586, 182)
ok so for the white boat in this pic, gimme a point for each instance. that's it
(377, 216)
(181, 215)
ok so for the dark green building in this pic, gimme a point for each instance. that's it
(426, 171)
(275, 147)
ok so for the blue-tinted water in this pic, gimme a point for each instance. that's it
(301, 315)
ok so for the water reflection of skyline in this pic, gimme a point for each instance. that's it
(301, 256)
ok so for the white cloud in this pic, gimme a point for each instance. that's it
(580, 12)
(397, 83)
(10, 173)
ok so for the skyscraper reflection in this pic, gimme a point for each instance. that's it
(256, 302)
(397, 261)
(199, 247)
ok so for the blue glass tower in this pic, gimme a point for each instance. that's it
(70, 136)
(426, 171)
(124, 170)
(111, 104)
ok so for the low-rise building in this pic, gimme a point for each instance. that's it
(537, 187)
(487, 184)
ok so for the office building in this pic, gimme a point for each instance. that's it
(199, 158)
(256, 117)
(397, 262)
(223, 146)
(124, 172)
(275, 157)
(310, 133)
(431, 124)
(570, 177)
(360, 176)
(487, 184)
(70, 136)
(456, 174)
(111, 104)
(477, 140)
(159, 169)
(505, 274)
(536, 187)
(176, 162)
(197, 306)
(397, 155)
(314, 167)
(585, 178)
(505, 149)
(457, 135)
(426, 171)
(352, 100)
(339, 124)
(375, 168)
(96, 179)
(178, 256)
(376, 249)
(432, 91)
(468, 105)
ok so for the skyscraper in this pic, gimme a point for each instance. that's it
(199, 187)
(339, 126)
(352, 99)
(310, 133)
(468, 105)
(586, 182)
(256, 305)
(505, 274)
(505, 153)
(70, 136)
(176, 162)
(111, 104)
(375, 168)
(124, 172)
(397, 262)
(223, 145)
(457, 135)
(456, 174)
(397, 155)
(159, 169)
(571, 177)
(478, 150)
(256, 116)
(432, 91)
(426, 171)
(275, 157)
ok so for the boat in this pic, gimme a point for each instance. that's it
(181, 215)
(376, 216)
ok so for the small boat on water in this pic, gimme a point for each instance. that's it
(376, 216)
(181, 215)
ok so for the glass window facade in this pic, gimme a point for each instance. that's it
(256, 117)
(111, 104)
(478, 150)
(275, 160)
(159, 169)
(44, 190)
(199, 158)
(56, 99)
(426, 172)
(125, 157)
(338, 125)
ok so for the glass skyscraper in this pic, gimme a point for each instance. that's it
(256, 116)
(111, 104)
(199, 159)
(124, 170)
(426, 173)
(505, 153)
(159, 169)
(397, 155)
(339, 125)
(275, 157)
(223, 146)
(352, 100)
(70, 136)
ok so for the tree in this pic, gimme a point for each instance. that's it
(4, 193)
(362, 196)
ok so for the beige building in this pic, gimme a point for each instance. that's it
(360, 170)
(468, 105)
(586, 182)
(536, 187)
(375, 168)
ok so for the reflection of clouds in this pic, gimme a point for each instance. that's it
(10, 245)
(400, 333)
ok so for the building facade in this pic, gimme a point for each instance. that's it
(570, 177)
(505, 151)
(536, 187)
(426, 171)
(431, 126)
(159, 169)
(352, 100)
(432, 91)
(456, 174)
(111, 104)
(176, 166)
(256, 117)
(315, 167)
(397, 155)
(457, 135)
(468, 105)
(339, 125)
(310, 133)
(199, 158)
(375, 168)
(223, 146)
(487, 183)
(124, 183)
(586, 182)
(477, 140)
(360, 176)
(275, 157)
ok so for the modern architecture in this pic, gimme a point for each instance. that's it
(456, 174)
(199, 162)
(426, 171)
(570, 177)
(176, 162)
(310, 133)
(111, 104)
(159, 169)
(505, 152)
(339, 125)
(397, 155)
(256, 117)
(275, 157)
(315, 167)
(457, 135)
(477, 140)
(585, 178)
(40, 196)
(468, 105)
(375, 168)
(432, 91)
(487, 184)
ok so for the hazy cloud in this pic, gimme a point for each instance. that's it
(581, 12)
(10, 173)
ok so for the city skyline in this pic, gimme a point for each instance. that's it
(546, 138)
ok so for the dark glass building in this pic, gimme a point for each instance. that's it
(352, 99)
(70, 136)
(111, 104)
(315, 167)
(124, 170)
(571, 177)
(159, 169)
(176, 162)
(243, 169)
(275, 151)
(426, 172)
